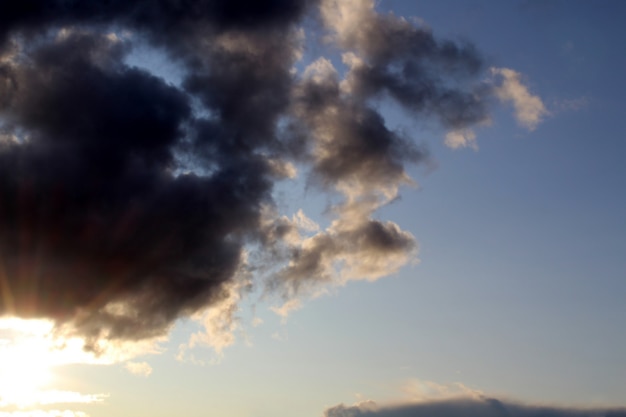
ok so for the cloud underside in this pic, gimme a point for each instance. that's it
(129, 202)
(467, 407)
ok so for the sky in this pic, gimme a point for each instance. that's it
(317, 208)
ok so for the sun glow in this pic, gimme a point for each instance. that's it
(28, 355)
(25, 366)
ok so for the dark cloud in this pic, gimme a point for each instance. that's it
(367, 249)
(92, 215)
(352, 152)
(98, 229)
(127, 202)
(392, 56)
(245, 83)
(164, 20)
(482, 407)
(351, 139)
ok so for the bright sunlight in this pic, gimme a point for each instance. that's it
(28, 356)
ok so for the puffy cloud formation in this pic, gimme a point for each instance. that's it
(128, 202)
(466, 407)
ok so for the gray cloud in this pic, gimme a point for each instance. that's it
(389, 55)
(129, 202)
(351, 149)
(480, 407)
(99, 231)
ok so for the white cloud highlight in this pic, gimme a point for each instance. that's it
(284, 310)
(529, 109)
(349, 19)
(219, 321)
(465, 138)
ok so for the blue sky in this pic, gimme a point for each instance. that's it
(518, 286)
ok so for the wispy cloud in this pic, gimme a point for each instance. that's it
(37, 397)
(286, 308)
(529, 109)
(139, 368)
(572, 104)
(424, 390)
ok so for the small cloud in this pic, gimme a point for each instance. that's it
(529, 109)
(572, 104)
(281, 336)
(284, 310)
(463, 138)
(139, 368)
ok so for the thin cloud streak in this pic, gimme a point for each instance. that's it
(33, 398)
(44, 413)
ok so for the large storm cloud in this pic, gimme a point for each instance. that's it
(127, 202)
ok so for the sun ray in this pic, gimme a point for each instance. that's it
(6, 298)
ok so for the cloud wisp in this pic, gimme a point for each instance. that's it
(529, 109)
(139, 368)
(129, 202)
